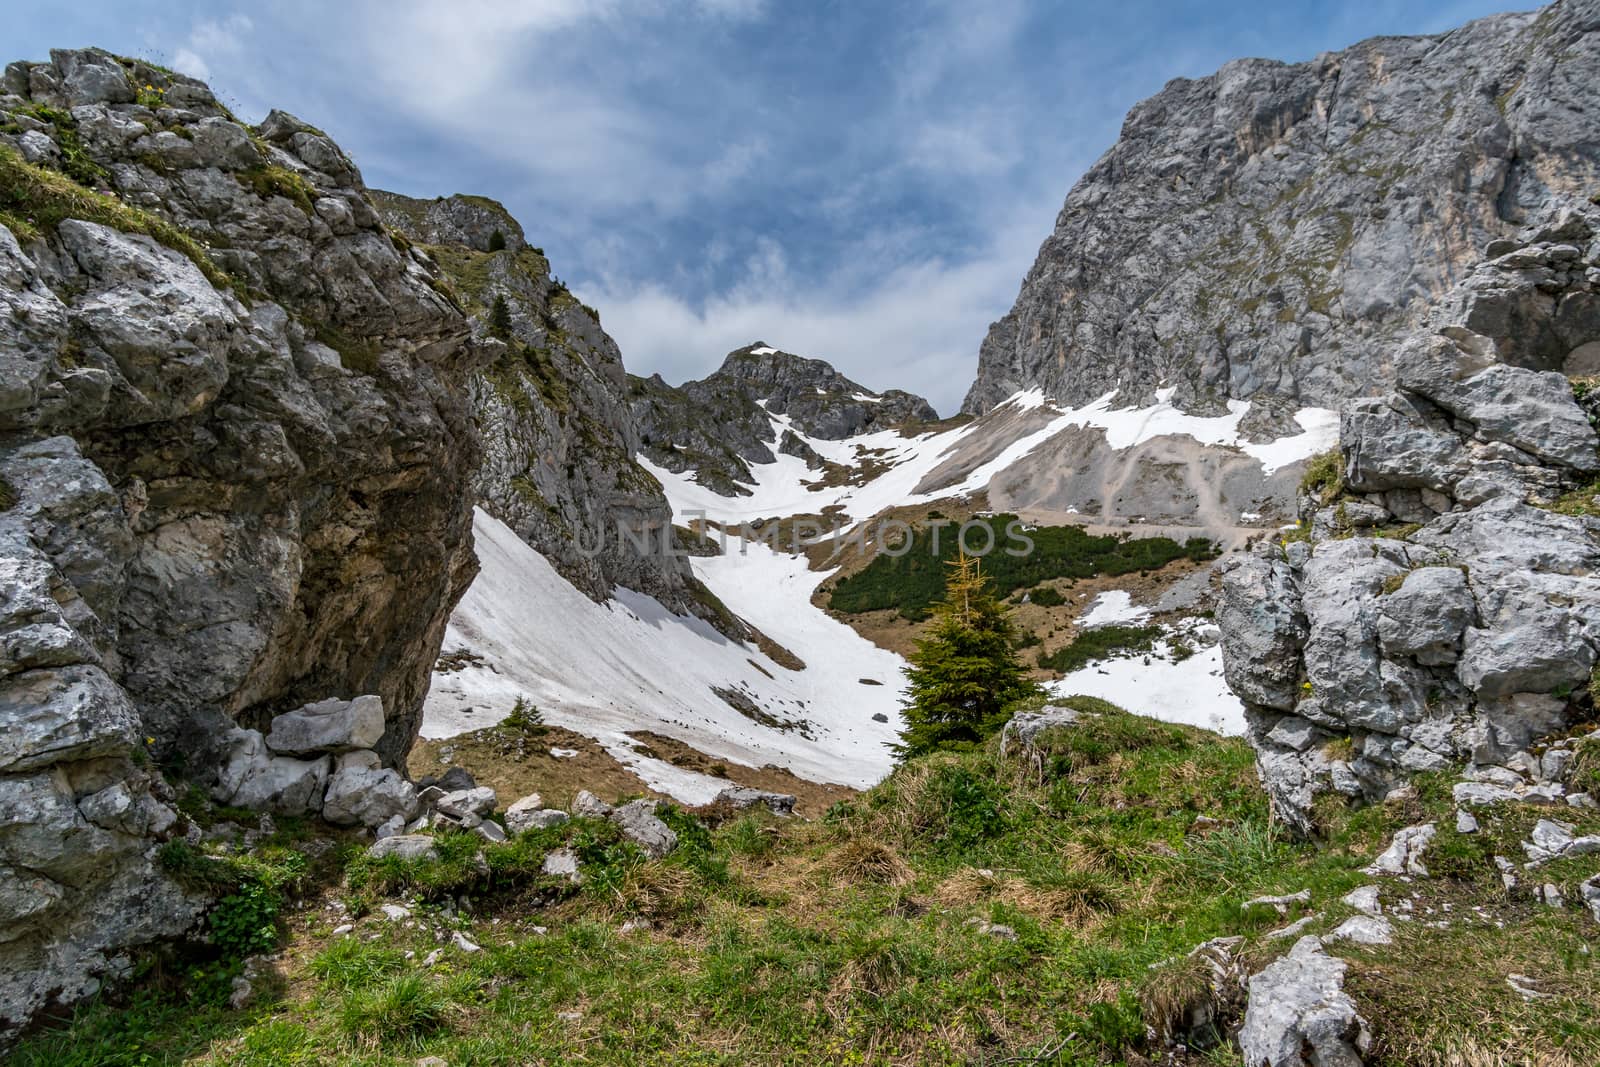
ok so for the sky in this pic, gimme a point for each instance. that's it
(863, 182)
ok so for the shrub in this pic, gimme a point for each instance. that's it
(1046, 596)
(1100, 643)
(500, 318)
(497, 241)
(913, 581)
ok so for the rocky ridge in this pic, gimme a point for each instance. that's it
(233, 413)
(1439, 603)
(1274, 231)
(552, 409)
(720, 424)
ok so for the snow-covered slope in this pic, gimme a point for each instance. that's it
(606, 669)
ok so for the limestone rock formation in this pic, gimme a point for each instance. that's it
(1445, 606)
(551, 406)
(719, 425)
(232, 413)
(1271, 232)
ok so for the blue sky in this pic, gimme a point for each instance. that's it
(863, 182)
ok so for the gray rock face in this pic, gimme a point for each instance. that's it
(1470, 637)
(1299, 1014)
(721, 424)
(230, 440)
(1275, 230)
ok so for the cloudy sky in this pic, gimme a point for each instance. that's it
(862, 181)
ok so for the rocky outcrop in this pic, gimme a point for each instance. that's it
(552, 409)
(719, 425)
(233, 410)
(1443, 606)
(1273, 231)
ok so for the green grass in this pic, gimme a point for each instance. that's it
(1323, 480)
(850, 940)
(914, 580)
(35, 200)
(269, 180)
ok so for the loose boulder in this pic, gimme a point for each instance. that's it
(334, 726)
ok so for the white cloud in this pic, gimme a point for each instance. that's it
(212, 41)
(915, 326)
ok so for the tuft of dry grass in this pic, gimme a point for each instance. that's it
(1079, 899)
(861, 860)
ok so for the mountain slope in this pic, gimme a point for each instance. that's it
(550, 405)
(719, 425)
(1270, 232)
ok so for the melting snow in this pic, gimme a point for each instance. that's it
(605, 669)
(1115, 605)
(763, 351)
(1189, 691)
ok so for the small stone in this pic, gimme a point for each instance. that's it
(1279, 904)
(1365, 900)
(739, 798)
(490, 831)
(393, 826)
(464, 943)
(1294, 929)
(343, 928)
(562, 863)
(463, 804)
(879, 716)
(433, 957)
(406, 846)
(589, 806)
(638, 823)
(1524, 986)
(240, 996)
(1364, 930)
(1480, 794)
(1404, 854)
(1582, 800)
(1550, 894)
(1466, 822)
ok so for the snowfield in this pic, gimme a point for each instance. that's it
(604, 670)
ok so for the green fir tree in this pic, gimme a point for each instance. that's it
(500, 319)
(965, 671)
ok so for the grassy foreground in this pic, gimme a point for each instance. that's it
(864, 937)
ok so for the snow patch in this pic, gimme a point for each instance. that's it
(1113, 606)
(1188, 691)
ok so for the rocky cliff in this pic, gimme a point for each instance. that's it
(234, 413)
(1274, 231)
(1440, 603)
(551, 406)
(720, 424)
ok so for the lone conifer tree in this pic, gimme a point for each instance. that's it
(965, 670)
(500, 318)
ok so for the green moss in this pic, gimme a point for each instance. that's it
(271, 180)
(42, 199)
(1581, 501)
(355, 353)
(76, 163)
(8, 495)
